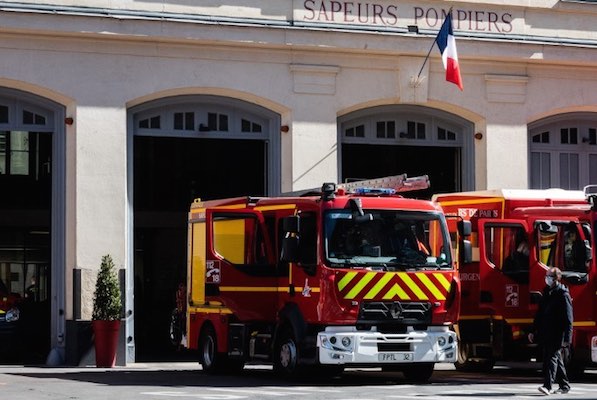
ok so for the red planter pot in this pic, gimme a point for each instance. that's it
(106, 342)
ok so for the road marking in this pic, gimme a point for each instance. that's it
(304, 389)
(196, 395)
(253, 391)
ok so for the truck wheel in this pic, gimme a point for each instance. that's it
(209, 358)
(419, 373)
(466, 363)
(286, 355)
(211, 361)
(462, 362)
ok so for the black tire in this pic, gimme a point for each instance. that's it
(465, 363)
(211, 361)
(462, 360)
(286, 355)
(176, 328)
(419, 373)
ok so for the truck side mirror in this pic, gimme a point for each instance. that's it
(290, 243)
(465, 228)
(467, 252)
(588, 253)
(291, 224)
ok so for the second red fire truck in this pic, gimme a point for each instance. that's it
(517, 235)
(349, 276)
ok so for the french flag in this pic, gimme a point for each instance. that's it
(447, 47)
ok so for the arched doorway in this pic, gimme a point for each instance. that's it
(390, 140)
(184, 148)
(31, 224)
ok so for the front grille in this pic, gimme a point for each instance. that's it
(407, 313)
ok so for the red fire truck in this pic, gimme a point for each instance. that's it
(516, 236)
(354, 275)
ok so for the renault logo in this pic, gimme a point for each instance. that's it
(395, 310)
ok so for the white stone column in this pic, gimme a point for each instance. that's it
(101, 203)
(314, 127)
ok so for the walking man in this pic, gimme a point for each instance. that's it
(553, 331)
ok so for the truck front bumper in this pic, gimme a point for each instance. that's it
(347, 345)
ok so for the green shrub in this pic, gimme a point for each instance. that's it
(107, 304)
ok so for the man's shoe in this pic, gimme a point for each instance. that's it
(561, 390)
(544, 390)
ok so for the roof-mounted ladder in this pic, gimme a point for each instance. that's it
(399, 183)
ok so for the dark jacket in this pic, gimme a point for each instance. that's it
(553, 321)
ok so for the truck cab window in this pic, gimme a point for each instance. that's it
(240, 240)
(393, 240)
(562, 247)
(308, 238)
(507, 248)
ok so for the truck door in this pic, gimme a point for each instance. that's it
(240, 263)
(563, 244)
(505, 269)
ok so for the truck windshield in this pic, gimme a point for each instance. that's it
(386, 239)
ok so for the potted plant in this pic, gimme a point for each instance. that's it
(107, 306)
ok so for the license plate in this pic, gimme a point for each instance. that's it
(395, 357)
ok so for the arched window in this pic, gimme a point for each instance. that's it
(25, 141)
(563, 151)
(217, 119)
(418, 140)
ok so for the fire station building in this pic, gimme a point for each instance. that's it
(114, 116)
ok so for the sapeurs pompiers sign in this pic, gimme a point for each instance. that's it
(400, 14)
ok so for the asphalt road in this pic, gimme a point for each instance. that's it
(182, 381)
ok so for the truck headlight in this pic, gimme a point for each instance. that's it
(13, 315)
(441, 341)
(346, 342)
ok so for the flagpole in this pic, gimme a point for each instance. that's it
(429, 52)
(427, 57)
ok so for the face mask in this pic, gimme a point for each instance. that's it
(549, 280)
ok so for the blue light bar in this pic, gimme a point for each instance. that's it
(375, 191)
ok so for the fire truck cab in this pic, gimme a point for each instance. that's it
(347, 276)
(517, 235)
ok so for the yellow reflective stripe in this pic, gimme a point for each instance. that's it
(478, 201)
(432, 288)
(249, 289)
(203, 310)
(396, 290)
(276, 207)
(584, 323)
(226, 207)
(210, 309)
(379, 285)
(442, 280)
(519, 320)
(346, 279)
(282, 289)
(413, 286)
(360, 285)
(471, 317)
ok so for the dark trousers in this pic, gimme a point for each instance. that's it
(554, 370)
